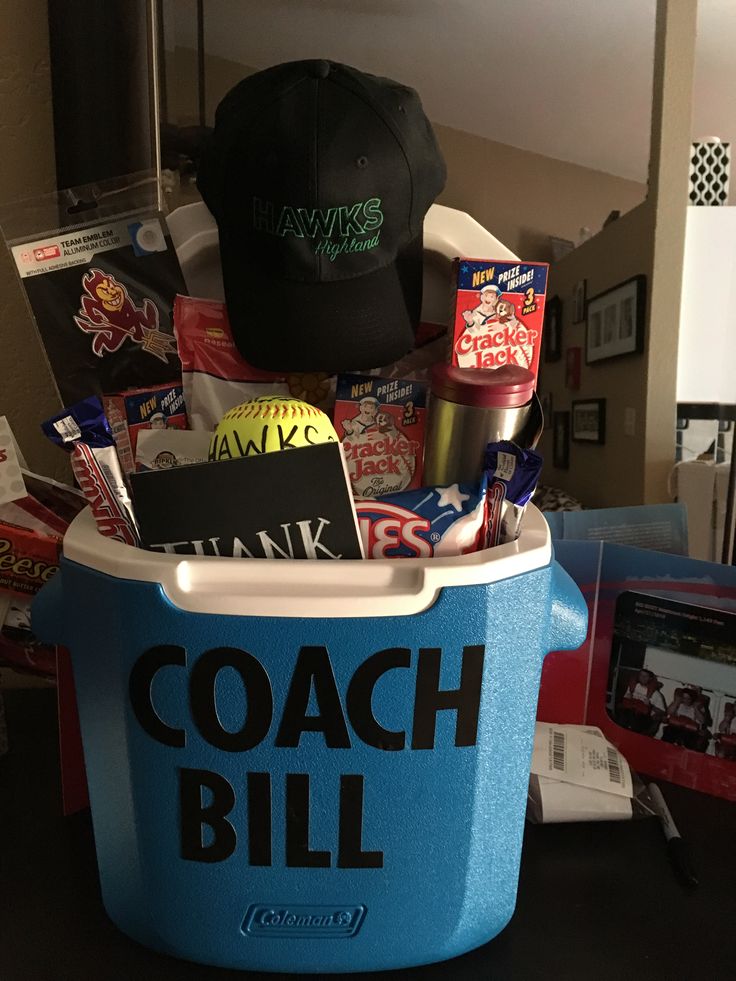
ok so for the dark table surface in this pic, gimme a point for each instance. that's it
(596, 901)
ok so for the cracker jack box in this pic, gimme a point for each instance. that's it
(381, 424)
(498, 313)
(128, 413)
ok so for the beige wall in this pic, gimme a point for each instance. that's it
(27, 168)
(649, 240)
(610, 475)
(523, 197)
(613, 474)
(674, 65)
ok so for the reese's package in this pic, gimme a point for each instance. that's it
(380, 422)
(101, 286)
(28, 559)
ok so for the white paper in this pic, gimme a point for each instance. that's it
(160, 449)
(558, 802)
(582, 756)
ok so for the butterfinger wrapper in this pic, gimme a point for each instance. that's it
(83, 430)
(100, 477)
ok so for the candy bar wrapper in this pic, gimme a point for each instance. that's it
(48, 507)
(130, 413)
(424, 522)
(381, 422)
(83, 421)
(498, 313)
(100, 477)
(57, 504)
(27, 559)
(163, 449)
(512, 475)
(83, 429)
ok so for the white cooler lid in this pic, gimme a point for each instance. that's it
(304, 587)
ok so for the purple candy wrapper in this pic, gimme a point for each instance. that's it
(512, 475)
(83, 422)
(424, 522)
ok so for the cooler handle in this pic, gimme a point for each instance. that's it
(568, 623)
(47, 612)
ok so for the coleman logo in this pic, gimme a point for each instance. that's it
(332, 230)
(304, 921)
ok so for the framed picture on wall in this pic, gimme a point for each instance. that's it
(573, 360)
(589, 421)
(561, 440)
(615, 322)
(578, 299)
(553, 329)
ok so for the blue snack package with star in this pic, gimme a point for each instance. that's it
(424, 522)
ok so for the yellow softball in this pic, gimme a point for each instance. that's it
(268, 423)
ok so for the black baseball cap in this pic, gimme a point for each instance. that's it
(319, 177)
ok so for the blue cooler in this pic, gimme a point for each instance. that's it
(309, 766)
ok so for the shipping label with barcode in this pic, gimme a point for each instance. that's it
(580, 755)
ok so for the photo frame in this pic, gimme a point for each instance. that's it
(553, 329)
(645, 616)
(670, 676)
(573, 362)
(578, 299)
(561, 440)
(615, 321)
(589, 421)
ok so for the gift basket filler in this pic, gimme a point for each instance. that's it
(308, 602)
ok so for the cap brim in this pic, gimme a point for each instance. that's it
(285, 325)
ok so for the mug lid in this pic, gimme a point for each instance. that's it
(489, 388)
